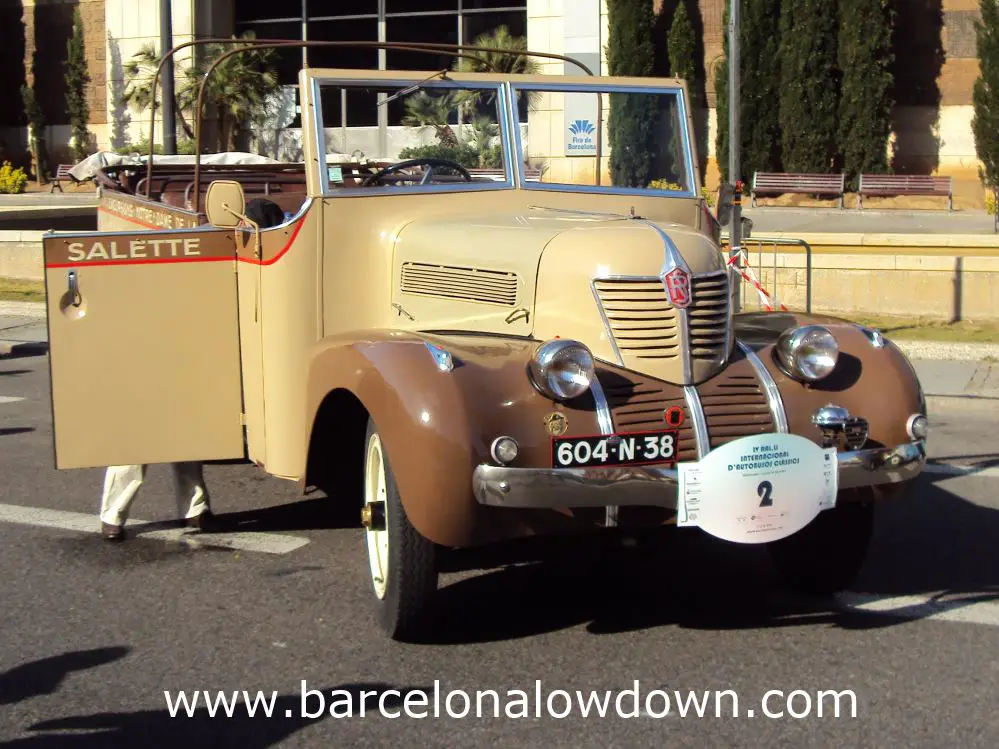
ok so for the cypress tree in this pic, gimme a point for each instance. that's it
(633, 120)
(809, 85)
(985, 96)
(77, 79)
(760, 92)
(721, 103)
(683, 64)
(865, 59)
(760, 69)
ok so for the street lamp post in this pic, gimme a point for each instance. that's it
(735, 232)
(166, 44)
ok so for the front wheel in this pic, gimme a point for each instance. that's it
(826, 555)
(402, 562)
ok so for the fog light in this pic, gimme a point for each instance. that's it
(836, 425)
(918, 426)
(504, 450)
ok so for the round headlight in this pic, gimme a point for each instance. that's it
(562, 370)
(807, 353)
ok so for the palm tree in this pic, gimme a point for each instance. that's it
(237, 89)
(496, 62)
(138, 92)
(423, 110)
(511, 61)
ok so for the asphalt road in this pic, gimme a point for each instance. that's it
(94, 633)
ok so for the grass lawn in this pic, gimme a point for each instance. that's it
(18, 290)
(916, 329)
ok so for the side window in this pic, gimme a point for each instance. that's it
(405, 135)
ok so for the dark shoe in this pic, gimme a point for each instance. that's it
(112, 532)
(205, 521)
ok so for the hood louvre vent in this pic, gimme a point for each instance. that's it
(460, 283)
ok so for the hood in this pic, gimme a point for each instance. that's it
(475, 273)
(593, 277)
(610, 288)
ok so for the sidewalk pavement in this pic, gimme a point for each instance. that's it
(945, 369)
(770, 219)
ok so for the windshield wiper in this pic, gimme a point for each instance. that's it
(415, 87)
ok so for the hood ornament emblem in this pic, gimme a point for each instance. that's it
(677, 283)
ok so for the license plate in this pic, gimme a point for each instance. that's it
(635, 449)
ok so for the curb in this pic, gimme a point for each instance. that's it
(14, 349)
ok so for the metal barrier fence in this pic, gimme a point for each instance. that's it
(756, 245)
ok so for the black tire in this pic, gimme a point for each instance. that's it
(826, 556)
(404, 609)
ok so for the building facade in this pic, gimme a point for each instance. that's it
(936, 63)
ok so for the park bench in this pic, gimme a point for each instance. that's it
(62, 175)
(890, 185)
(779, 183)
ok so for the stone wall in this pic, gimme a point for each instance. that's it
(884, 276)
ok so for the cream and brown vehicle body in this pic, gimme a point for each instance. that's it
(380, 342)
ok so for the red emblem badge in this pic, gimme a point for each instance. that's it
(674, 416)
(678, 287)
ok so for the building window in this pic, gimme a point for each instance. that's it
(436, 21)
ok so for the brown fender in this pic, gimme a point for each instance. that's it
(437, 426)
(878, 384)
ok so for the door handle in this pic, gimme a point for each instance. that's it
(73, 283)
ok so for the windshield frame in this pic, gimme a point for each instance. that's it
(692, 177)
(404, 81)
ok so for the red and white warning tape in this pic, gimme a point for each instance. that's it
(750, 276)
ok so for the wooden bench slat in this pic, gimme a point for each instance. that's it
(62, 175)
(905, 184)
(796, 182)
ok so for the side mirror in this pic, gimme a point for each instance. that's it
(225, 203)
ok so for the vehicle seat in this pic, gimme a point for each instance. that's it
(266, 213)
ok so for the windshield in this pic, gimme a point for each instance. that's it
(642, 134)
(435, 133)
(406, 135)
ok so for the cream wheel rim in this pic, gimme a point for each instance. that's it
(375, 491)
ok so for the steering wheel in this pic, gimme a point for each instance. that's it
(428, 162)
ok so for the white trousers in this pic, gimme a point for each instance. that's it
(122, 483)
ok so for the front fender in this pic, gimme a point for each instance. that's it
(437, 426)
(876, 383)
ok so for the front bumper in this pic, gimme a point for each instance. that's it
(501, 486)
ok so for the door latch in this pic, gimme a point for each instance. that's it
(73, 282)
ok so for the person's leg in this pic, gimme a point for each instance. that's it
(121, 484)
(189, 481)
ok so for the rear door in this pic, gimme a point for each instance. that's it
(144, 347)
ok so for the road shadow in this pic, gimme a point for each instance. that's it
(46, 675)
(933, 542)
(983, 460)
(152, 729)
(14, 372)
(8, 431)
(319, 513)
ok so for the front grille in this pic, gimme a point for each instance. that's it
(733, 402)
(735, 405)
(454, 282)
(646, 327)
(708, 315)
(641, 318)
(640, 405)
